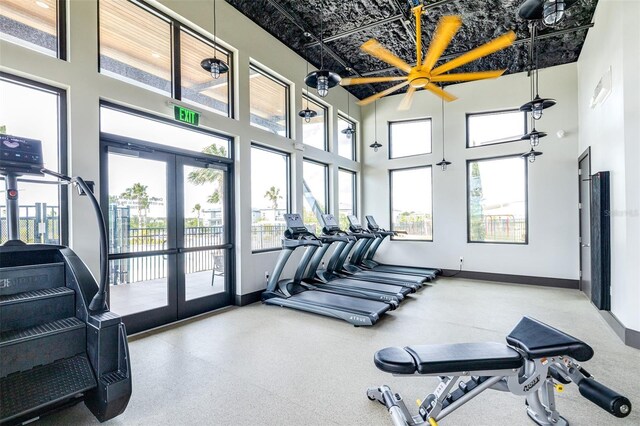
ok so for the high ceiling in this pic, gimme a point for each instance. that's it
(346, 24)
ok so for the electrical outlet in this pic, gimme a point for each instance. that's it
(266, 276)
(461, 260)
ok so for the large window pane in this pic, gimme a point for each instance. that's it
(135, 45)
(314, 133)
(408, 138)
(39, 203)
(346, 142)
(411, 203)
(346, 196)
(30, 23)
(269, 197)
(316, 194)
(495, 127)
(197, 85)
(160, 132)
(497, 200)
(269, 103)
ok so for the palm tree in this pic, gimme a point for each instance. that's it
(212, 176)
(273, 195)
(196, 209)
(138, 193)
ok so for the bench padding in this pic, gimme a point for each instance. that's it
(539, 340)
(442, 359)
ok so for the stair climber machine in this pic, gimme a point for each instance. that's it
(393, 294)
(59, 343)
(345, 264)
(365, 257)
(537, 361)
(295, 294)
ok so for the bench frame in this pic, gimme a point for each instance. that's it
(534, 380)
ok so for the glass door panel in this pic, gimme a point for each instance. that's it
(204, 216)
(204, 273)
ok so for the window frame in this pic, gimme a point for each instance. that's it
(526, 199)
(409, 120)
(287, 155)
(354, 183)
(494, 112)
(325, 108)
(354, 144)
(287, 110)
(176, 27)
(425, 166)
(327, 187)
(63, 161)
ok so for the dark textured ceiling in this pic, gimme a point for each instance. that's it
(348, 24)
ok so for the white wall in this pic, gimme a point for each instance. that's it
(611, 129)
(553, 198)
(86, 87)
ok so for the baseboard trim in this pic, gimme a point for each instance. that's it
(628, 336)
(247, 299)
(516, 279)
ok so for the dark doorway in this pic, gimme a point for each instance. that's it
(584, 180)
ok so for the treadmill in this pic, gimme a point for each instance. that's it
(366, 257)
(288, 293)
(326, 280)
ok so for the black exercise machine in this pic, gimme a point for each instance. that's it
(59, 343)
(537, 361)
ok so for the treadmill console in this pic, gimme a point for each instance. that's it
(295, 225)
(372, 223)
(20, 155)
(354, 224)
(330, 223)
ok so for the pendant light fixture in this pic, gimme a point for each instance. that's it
(537, 104)
(349, 131)
(322, 80)
(531, 155)
(444, 163)
(551, 12)
(307, 113)
(375, 145)
(214, 65)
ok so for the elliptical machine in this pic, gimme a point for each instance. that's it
(59, 343)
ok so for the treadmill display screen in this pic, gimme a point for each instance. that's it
(330, 221)
(354, 222)
(294, 223)
(372, 223)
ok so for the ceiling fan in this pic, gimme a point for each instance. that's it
(424, 75)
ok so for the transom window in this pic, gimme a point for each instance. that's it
(490, 128)
(314, 133)
(270, 198)
(497, 200)
(410, 137)
(315, 182)
(346, 141)
(411, 203)
(269, 102)
(38, 25)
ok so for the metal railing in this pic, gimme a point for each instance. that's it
(266, 236)
(38, 223)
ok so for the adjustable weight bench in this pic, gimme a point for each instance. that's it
(537, 360)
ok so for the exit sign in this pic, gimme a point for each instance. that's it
(186, 115)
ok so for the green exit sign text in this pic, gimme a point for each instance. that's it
(186, 115)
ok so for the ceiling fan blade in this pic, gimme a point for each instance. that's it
(447, 28)
(468, 76)
(494, 45)
(407, 100)
(367, 101)
(365, 80)
(438, 91)
(374, 48)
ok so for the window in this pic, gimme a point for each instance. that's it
(411, 203)
(197, 86)
(314, 133)
(133, 124)
(269, 197)
(497, 200)
(42, 207)
(269, 102)
(346, 142)
(315, 181)
(495, 127)
(346, 196)
(38, 25)
(135, 45)
(411, 137)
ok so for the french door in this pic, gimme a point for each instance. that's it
(170, 239)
